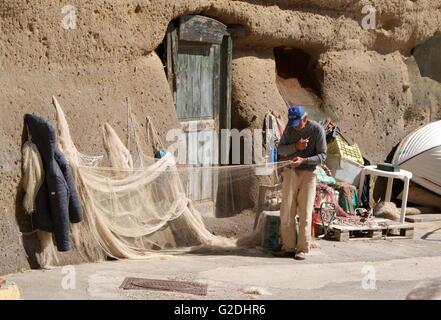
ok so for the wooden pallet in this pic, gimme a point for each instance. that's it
(392, 230)
(426, 217)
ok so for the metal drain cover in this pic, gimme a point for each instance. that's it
(164, 285)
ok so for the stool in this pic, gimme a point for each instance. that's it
(261, 206)
(402, 175)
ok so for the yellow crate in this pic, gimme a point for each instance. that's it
(340, 147)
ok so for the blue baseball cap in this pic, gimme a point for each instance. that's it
(295, 115)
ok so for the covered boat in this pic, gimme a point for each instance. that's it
(420, 153)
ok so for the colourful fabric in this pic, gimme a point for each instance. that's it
(159, 154)
(330, 192)
(323, 177)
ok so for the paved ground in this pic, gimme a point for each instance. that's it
(368, 269)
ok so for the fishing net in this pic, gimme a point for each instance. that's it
(33, 176)
(138, 205)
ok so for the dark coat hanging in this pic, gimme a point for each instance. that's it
(57, 202)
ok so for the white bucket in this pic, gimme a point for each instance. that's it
(344, 169)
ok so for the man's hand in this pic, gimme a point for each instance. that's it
(302, 144)
(297, 161)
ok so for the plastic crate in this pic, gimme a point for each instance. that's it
(341, 148)
(271, 233)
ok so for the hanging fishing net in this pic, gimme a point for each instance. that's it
(136, 205)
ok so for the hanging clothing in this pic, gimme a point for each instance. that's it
(56, 203)
(272, 136)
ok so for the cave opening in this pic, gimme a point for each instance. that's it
(427, 56)
(297, 81)
(424, 72)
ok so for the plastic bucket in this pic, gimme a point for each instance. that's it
(344, 169)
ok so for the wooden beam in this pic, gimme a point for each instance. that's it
(201, 29)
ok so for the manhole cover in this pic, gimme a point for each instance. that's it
(164, 285)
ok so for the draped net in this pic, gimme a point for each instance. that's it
(126, 204)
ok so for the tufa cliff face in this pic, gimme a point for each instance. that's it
(118, 30)
(368, 80)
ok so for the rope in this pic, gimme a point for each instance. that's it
(155, 138)
(131, 130)
(30, 232)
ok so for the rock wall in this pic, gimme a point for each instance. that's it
(90, 95)
(254, 88)
(254, 92)
(372, 100)
(109, 56)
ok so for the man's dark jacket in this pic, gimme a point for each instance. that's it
(57, 201)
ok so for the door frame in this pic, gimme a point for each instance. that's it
(173, 37)
(195, 29)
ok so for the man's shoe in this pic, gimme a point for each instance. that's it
(284, 254)
(300, 256)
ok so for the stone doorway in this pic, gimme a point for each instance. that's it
(197, 53)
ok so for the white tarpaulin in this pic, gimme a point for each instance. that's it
(420, 153)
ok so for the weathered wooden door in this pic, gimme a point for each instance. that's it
(199, 68)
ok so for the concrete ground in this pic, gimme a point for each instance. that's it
(359, 269)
